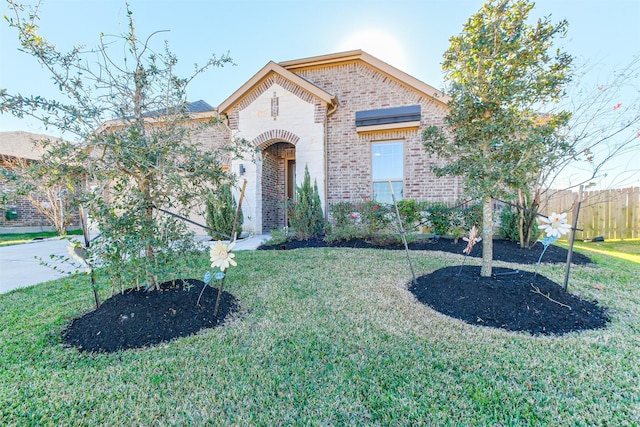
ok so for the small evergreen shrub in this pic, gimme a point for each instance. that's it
(457, 222)
(221, 211)
(509, 224)
(305, 213)
(278, 236)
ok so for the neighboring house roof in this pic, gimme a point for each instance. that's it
(192, 107)
(287, 70)
(19, 144)
(197, 110)
(272, 67)
(199, 107)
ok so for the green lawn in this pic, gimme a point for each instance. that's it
(623, 249)
(329, 337)
(18, 238)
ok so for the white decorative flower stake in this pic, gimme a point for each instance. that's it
(221, 255)
(222, 258)
(555, 225)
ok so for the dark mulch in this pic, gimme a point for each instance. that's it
(509, 300)
(137, 318)
(503, 250)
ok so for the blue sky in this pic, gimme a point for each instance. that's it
(409, 34)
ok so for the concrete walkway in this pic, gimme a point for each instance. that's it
(20, 264)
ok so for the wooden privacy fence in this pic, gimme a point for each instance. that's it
(612, 214)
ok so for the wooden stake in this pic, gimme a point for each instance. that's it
(232, 239)
(84, 224)
(402, 233)
(576, 212)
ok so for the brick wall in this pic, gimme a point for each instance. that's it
(28, 215)
(273, 184)
(211, 137)
(360, 87)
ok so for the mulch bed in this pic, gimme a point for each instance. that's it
(509, 299)
(137, 318)
(503, 250)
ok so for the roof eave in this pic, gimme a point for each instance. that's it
(354, 55)
(272, 67)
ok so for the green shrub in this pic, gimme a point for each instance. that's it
(337, 233)
(305, 213)
(410, 214)
(366, 220)
(344, 224)
(439, 218)
(376, 221)
(341, 214)
(221, 211)
(278, 236)
(457, 222)
(374, 218)
(509, 224)
(473, 215)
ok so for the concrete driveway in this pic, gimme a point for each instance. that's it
(19, 266)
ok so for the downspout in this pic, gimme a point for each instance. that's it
(330, 110)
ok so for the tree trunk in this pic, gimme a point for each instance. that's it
(147, 230)
(521, 211)
(487, 237)
(531, 219)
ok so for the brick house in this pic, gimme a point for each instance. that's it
(352, 119)
(18, 214)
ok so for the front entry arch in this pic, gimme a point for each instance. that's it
(278, 183)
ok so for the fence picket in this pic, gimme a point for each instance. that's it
(612, 214)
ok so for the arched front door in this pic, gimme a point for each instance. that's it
(278, 184)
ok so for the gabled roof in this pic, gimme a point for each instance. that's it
(359, 55)
(19, 144)
(287, 70)
(272, 67)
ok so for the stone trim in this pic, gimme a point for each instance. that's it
(265, 139)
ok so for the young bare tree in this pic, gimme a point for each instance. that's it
(50, 186)
(129, 114)
(604, 128)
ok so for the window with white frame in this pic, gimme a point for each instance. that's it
(387, 164)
